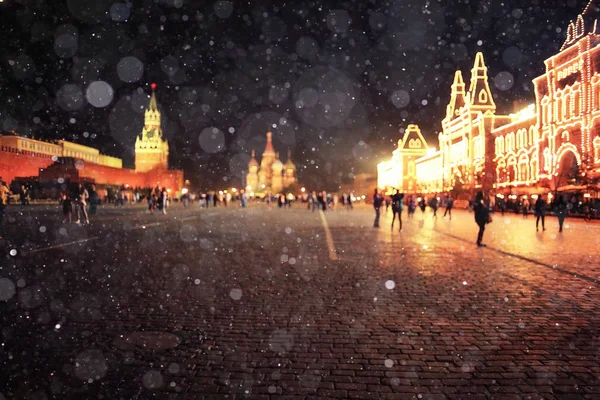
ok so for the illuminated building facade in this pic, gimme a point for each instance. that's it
(22, 157)
(400, 171)
(551, 144)
(272, 175)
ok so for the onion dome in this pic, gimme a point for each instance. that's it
(253, 162)
(277, 164)
(289, 164)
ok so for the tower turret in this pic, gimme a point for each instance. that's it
(457, 96)
(480, 95)
(151, 150)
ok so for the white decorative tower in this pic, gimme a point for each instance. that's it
(151, 150)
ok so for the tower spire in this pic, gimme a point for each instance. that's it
(479, 90)
(269, 147)
(457, 97)
(153, 104)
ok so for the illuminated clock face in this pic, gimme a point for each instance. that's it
(151, 133)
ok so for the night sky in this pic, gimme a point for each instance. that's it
(335, 81)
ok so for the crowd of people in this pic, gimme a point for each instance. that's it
(482, 207)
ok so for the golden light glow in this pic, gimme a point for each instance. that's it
(524, 114)
(479, 148)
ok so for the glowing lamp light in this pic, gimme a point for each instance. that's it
(184, 191)
(168, 190)
(587, 195)
(534, 196)
(220, 192)
(248, 188)
(263, 186)
(233, 190)
(303, 190)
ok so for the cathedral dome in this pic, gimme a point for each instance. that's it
(277, 164)
(289, 164)
(253, 162)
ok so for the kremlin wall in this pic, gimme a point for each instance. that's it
(51, 162)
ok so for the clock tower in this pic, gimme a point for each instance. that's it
(151, 150)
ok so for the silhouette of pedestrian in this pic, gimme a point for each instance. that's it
(449, 205)
(540, 213)
(377, 203)
(482, 216)
(397, 207)
(560, 208)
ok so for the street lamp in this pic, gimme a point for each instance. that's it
(303, 190)
(233, 190)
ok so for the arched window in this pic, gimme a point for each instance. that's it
(547, 159)
(576, 99)
(511, 167)
(510, 142)
(558, 109)
(499, 145)
(566, 111)
(533, 135)
(501, 171)
(523, 168)
(534, 170)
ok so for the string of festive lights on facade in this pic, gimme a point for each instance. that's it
(529, 151)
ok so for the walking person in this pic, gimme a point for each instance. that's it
(482, 216)
(165, 200)
(82, 199)
(67, 208)
(412, 206)
(560, 208)
(540, 213)
(377, 203)
(4, 193)
(94, 200)
(449, 205)
(244, 199)
(434, 205)
(423, 205)
(397, 206)
(24, 196)
(388, 201)
(349, 201)
(525, 208)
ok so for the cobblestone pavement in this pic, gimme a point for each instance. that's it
(269, 303)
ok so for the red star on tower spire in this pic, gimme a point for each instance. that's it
(153, 86)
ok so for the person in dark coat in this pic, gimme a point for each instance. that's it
(482, 216)
(397, 206)
(540, 213)
(377, 203)
(560, 208)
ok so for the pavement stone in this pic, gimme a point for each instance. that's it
(263, 312)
